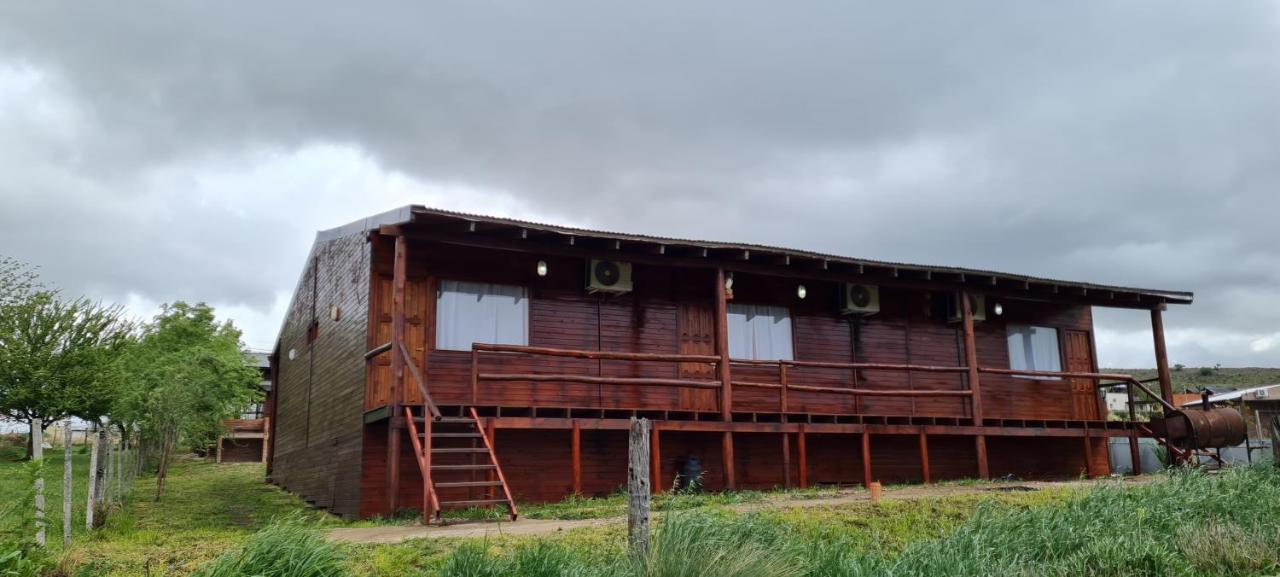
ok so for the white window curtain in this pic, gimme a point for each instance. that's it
(1033, 348)
(759, 332)
(471, 312)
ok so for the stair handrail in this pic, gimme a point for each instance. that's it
(417, 378)
(493, 458)
(420, 449)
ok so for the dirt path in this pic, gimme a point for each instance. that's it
(399, 533)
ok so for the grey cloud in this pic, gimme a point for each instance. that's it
(1133, 143)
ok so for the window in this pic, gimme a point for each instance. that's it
(1033, 348)
(759, 332)
(471, 312)
(253, 411)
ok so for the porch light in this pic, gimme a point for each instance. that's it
(801, 292)
(998, 309)
(542, 268)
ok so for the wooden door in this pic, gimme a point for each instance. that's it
(1078, 351)
(417, 299)
(697, 324)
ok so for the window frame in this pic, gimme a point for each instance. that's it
(790, 321)
(1057, 346)
(436, 285)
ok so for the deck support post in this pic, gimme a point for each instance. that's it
(804, 457)
(1162, 355)
(576, 451)
(726, 454)
(1135, 454)
(1162, 363)
(786, 460)
(1088, 453)
(971, 361)
(924, 458)
(866, 460)
(395, 394)
(722, 347)
(726, 382)
(655, 456)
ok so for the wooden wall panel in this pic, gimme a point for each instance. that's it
(321, 390)
(909, 329)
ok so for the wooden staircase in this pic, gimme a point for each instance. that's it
(459, 467)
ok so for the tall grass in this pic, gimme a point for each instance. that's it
(285, 548)
(1190, 524)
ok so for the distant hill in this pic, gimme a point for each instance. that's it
(1192, 378)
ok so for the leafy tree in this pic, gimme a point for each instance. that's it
(57, 357)
(17, 280)
(186, 374)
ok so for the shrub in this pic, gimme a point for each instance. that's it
(285, 548)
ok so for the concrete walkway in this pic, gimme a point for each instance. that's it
(391, 534)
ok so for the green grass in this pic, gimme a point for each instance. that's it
(206, 510)
(222, 519)
(12, 481)
(1191, 378)
(1191, 524)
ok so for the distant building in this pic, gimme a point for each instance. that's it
(245, 439)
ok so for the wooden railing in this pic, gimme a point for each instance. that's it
(783, 386)
(478, 377)
(428, 405)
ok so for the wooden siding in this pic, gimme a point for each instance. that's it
(910, 329)
(319, 392)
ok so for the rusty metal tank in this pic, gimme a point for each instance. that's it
(1214, 428)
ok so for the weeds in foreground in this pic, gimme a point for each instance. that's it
(285, 548)
(1191, 524)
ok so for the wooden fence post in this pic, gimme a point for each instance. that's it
(109, 471)
(67, 488)
(92, 501)
(37, 453)
(638, 489)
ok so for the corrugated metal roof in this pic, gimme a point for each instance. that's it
(1238, 394)
(424, 214)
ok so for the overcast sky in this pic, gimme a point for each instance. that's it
(190, 150)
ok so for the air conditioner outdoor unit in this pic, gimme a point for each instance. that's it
(955, 311)
(608, 276)
(859, 299)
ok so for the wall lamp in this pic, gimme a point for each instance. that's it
(801, 292)
(542, 268)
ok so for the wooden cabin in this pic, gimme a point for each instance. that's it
(506, 358)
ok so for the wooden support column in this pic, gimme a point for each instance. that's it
(1088, 453)
(396, 395)
(726, 454)
(726, 382)
(971, 360)
(655, 456)
(786, 461)
(866, 460)
(924, 458)
(804, 458)
(722, 348)
(577, 457)
(1162, 355)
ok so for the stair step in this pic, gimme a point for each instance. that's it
(467, 420)
(459, 450)
(462, 467)
(453, 435)
(475, 503)
(452, 484)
